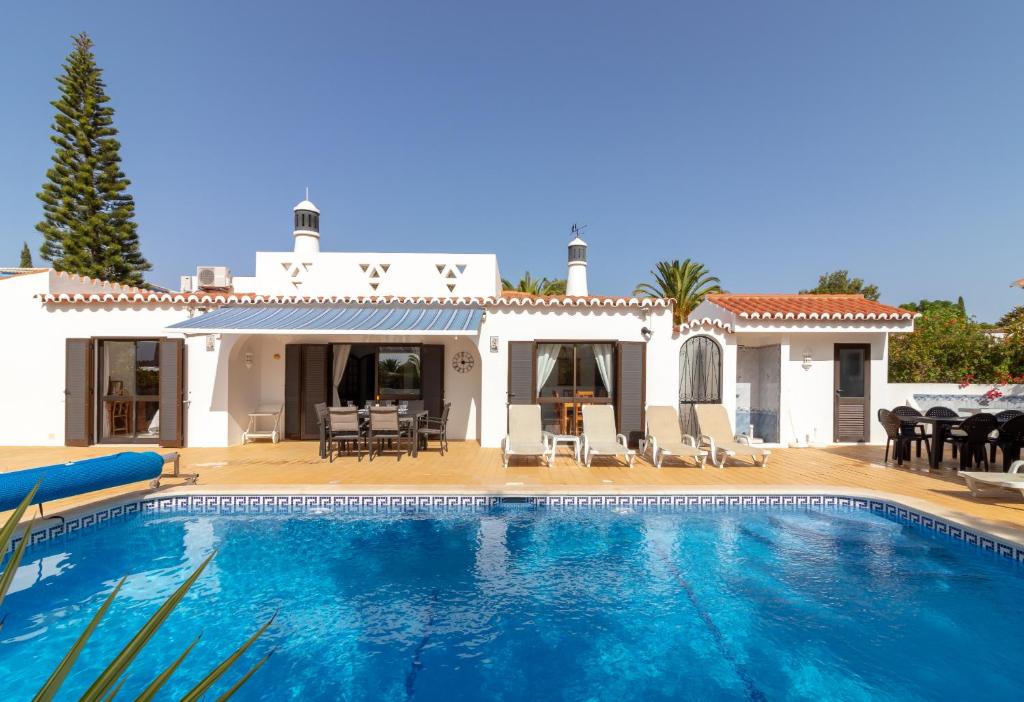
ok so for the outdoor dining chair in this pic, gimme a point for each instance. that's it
(947, 413)
(385, 426)
(1009, 439)
(895, 437)
(435, 428)
(920, 433)
(972, 439)
(343, 428)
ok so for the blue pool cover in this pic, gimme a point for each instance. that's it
(362, 318)
(67, 479)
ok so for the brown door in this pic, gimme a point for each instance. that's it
(852, 384)
(78, 398)
(306, 383)
(432, 378)
(521, 373)
(630, 389)
(172, 392)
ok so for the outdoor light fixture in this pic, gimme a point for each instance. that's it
(646, 333)
(806, 365)
(248, 360)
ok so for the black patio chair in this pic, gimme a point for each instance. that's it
(972, 439)
(385, 426)
(1009, 439)
(943, 429)
(342, 429)
(920, 432)
(436, 428)
(895, 436)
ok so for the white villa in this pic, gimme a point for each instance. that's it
(91, 362)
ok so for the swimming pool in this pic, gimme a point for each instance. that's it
(518, 602)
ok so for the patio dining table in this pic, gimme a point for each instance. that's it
(404, 417)
(940, 426)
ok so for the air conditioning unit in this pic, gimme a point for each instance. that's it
(213, 277)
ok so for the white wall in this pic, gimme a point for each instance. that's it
(530, 323)
(924, 396)
(343, 274)
(32, 360)
(808, 396)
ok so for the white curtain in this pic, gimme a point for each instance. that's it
(547, 359)
(341, 352)
(603, 355)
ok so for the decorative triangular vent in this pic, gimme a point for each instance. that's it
(450, 274)
(375, 273)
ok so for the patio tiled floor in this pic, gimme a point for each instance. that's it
(294, 466)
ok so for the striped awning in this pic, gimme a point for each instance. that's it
(336, 319)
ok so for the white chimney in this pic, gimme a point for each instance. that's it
(307, 227)
(576, 280)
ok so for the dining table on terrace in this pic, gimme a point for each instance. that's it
(940, 428)
(405, 418)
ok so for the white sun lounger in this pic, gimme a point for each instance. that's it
(1013, 479)
(600, 437)
(664, 437)
(716, 433)
(526, 435)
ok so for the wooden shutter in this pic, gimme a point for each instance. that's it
(432, 378)
(172, 392)
(521, 373)
(292, 391)
(78, 392)
(630, 389)
(315, 386)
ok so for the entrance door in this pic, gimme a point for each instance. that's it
(852, 392)
(306, 384)
(700, 379)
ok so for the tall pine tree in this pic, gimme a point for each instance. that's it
(26, 257)
(88, 222)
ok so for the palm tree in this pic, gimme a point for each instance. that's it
(687, 282)
(535, 286)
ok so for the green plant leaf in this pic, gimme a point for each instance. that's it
(6, 534)
(123, 659)
(196, 692)
(241, 681)
(52, 685)
(113, 693)
(162, 679)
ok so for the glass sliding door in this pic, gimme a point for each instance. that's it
(129, 373)
(570, 375)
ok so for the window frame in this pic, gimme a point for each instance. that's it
(101, 397)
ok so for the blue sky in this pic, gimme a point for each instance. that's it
(770, 141)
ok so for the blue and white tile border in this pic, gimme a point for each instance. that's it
(283, 504)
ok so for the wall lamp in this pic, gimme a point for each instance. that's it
(646, 333)
(807, 361)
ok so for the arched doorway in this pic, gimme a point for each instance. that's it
(700, 378)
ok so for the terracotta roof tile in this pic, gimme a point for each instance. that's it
(807, 306)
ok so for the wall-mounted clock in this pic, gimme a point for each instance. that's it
(463, 361)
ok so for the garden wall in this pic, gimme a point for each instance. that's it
(926, 395)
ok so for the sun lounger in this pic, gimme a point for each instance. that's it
(526, 435)
(1013, 479)
(717, 435)
(600, 437)
(665, 438)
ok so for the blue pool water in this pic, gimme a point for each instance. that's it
(533, 604)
